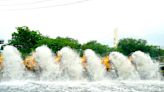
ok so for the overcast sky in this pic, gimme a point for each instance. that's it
(87, 20)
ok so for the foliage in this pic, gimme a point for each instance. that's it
(129, 45)
(97, 47)
(25, 39)
(59, 42)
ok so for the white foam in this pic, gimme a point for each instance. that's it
(95, 68)
(70, 64)
(146, 67)
(45, 59)
(125, 69)
(13, 66)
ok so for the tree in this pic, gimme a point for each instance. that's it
(25, 39)
(59, 43)
(129, 45)
(97, 47)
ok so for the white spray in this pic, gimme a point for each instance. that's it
(95, 68)
(123, 66)
(13, 66)
(70, 64)
(145, 66)
(45, 59)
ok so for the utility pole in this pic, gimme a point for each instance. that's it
(115, 37)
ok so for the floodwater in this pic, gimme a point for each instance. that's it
(79, 86)
(141, 74)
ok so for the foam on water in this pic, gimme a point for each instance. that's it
(13, 66)
(95, 69)
(146, 67)
(45, 59)
(123, 66)
(70, 64)
(71, 86)
(68, 74)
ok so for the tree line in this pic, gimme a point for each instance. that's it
(26, 40)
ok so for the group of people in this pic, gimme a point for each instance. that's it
(31, 64)
(119, 62)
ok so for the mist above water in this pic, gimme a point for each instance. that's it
(146, 67)
(69, 66)
(96, 70)
(13, 66)
(123, 66)
(45, 59)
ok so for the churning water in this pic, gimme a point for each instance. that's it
(70, 64)
(74, 86)
(13, 68)
(96, 70)
(146, 67)
(123, 66)
(140, 74)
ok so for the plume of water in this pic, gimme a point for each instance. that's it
(45, 59)
(13, 66)
(31, 74)
(123, 66)
(95, 69)
(70, 64)
(145, 66)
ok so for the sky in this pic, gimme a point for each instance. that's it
(86, 20)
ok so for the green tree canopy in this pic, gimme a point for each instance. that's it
(97, 47)
(25, 39)
(59, 42)
(129, 45)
